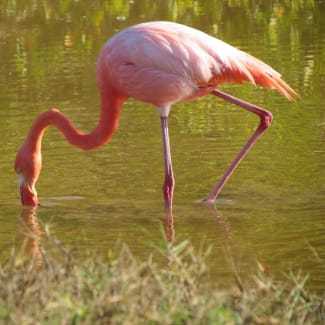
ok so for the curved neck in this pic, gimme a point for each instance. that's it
(108, 121)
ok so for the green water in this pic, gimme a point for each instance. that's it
(271, 210)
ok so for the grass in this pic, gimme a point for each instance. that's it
(55, 288)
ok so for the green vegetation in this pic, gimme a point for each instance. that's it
(58, 288)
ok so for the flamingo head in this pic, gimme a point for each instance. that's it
(28, 167)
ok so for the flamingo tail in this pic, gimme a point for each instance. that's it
(244, 67)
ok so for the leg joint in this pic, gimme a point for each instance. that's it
(266, 119)
(169, 184)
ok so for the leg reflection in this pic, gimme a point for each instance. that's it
(221, 220)
(169, 228)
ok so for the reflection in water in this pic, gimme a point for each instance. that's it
(29, 234)
(221, 220)
(169, 228)
(170, 236)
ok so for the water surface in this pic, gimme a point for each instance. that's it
(271, 210)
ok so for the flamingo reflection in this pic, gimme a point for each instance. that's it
(29, 235)
(221, 220)
(169, 228)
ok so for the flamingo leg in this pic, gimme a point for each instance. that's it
(265, 121)
(168, 187)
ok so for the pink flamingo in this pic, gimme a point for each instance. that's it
(161, 63)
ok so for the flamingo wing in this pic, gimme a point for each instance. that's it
(163, 63)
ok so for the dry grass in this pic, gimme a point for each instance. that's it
(56, 288)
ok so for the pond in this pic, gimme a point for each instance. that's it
(272, 209)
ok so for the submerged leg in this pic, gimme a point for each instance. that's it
(168, 187)
(265, 121)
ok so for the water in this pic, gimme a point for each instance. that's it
(271, 210)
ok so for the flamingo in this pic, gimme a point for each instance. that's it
(161, 63)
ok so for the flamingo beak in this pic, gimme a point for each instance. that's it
(28, 194)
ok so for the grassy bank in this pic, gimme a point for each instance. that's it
(55, 288)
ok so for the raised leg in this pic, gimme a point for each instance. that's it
(168, 187)
(265, 121)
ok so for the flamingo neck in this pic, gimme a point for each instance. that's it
(108, 123)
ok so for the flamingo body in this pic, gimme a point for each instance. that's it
(163, 63)
(160, 63)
